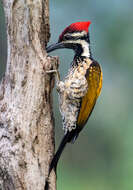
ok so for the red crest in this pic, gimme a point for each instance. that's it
(77, 26)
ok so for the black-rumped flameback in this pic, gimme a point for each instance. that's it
(81, 87)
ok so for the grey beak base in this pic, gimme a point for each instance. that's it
(54, 47)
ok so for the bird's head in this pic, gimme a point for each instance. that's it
(76, 37)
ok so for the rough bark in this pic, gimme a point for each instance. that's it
(26, 121)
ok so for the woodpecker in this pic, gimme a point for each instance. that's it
(79, 91)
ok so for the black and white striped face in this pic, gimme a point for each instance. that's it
(77, 40)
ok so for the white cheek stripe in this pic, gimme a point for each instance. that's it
(84, 45)
(78, 34)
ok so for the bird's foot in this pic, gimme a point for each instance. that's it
(54, 61)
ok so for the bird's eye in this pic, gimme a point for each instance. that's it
(67, 37)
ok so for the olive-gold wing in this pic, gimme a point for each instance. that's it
(94, 79)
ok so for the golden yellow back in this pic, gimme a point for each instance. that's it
(94, 79)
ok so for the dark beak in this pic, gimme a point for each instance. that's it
(53, 47)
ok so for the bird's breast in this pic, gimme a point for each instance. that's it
(75, 88)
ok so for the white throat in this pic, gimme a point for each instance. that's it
(86, 48)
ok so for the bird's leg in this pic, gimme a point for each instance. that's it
(54, 70)
(54, 67)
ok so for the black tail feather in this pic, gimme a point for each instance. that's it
(69, 137)
(57, 156)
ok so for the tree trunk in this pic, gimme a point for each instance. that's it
(26, 119)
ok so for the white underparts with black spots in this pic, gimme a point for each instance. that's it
(71, 91)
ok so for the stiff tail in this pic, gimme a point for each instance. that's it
(69, 137)
(57, 156)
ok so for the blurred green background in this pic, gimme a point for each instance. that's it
(102, 156)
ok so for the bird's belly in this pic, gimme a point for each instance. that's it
(69, 110)
(74, 88)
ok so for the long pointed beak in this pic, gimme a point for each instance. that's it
(55, 46)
